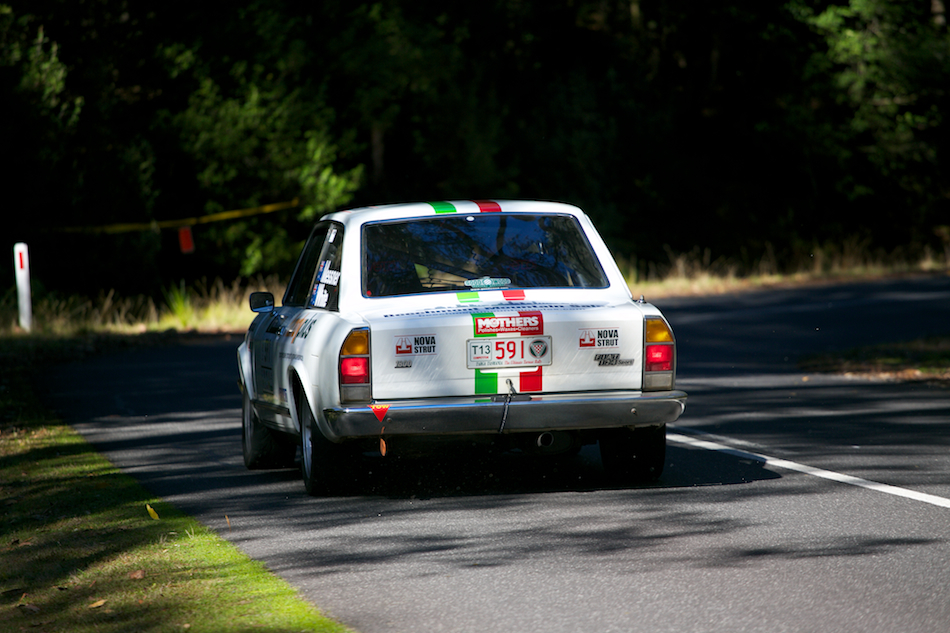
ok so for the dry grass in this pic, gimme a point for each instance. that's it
(922, 360)
(698, 273)
(205, 307)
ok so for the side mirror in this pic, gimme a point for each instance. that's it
(262, 302)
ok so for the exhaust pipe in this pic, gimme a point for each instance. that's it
(545, 440)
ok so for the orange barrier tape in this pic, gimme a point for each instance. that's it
(173, 224)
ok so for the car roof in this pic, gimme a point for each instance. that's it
(362, 215)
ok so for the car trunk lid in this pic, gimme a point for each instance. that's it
(477, 349)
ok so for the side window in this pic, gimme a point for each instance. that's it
(326, 284)
(298, 290)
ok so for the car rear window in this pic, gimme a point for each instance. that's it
(477, 252)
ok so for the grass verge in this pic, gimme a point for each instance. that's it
(922, 360)
(203, 306)
(82, 552)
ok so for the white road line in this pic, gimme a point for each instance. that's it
(810, 470)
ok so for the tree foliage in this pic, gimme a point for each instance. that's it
(735, 125)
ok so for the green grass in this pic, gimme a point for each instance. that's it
(79, 549)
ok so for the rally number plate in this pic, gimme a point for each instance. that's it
(522, 351)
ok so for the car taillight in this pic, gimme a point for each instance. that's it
(354, 371)
(355, 381)
(659, 358)
(659, 355)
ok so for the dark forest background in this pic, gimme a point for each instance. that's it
(743, 128)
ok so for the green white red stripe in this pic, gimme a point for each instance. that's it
(484, 206)
(521, 323)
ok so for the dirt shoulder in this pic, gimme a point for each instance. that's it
(919, 360)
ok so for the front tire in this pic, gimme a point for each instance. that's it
(322, 462)
(263, 447)
(634, 455)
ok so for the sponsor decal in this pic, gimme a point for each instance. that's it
(299, 329)
(290, 331)
(416, 345)
(379, 410)
(593, 338)
(513, 295)
(320, 296)
(330, 277)
(523, 323)
(538, 348)
(611, 360)
(488, 282)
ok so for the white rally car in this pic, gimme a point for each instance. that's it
(505, 322)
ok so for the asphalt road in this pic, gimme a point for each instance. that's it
(768, 516)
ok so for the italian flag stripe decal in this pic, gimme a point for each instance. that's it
(530, 380)
(487, 206)
(443, 207)
(485, 382)
(484, 206)
(474, 297)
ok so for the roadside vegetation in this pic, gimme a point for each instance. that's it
(204, 306)
(85, 548)
(223, 307)
(698, 273)
(921, 360)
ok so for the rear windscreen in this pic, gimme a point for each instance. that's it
(486, 251)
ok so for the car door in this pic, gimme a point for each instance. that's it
(312, 295)
(267, 380)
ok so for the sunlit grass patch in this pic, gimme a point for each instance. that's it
(80, 550)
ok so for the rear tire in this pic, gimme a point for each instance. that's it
(263, 447)
(323, 462)
(633, 455)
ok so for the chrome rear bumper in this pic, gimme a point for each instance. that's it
(526, 412)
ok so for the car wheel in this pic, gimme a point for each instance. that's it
(633, 455)
(322, 461)
(263, 447)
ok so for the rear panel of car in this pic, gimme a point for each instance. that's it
(476, 349)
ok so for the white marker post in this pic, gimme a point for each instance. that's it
(21, 262)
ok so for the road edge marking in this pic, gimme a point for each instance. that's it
(896, 491)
